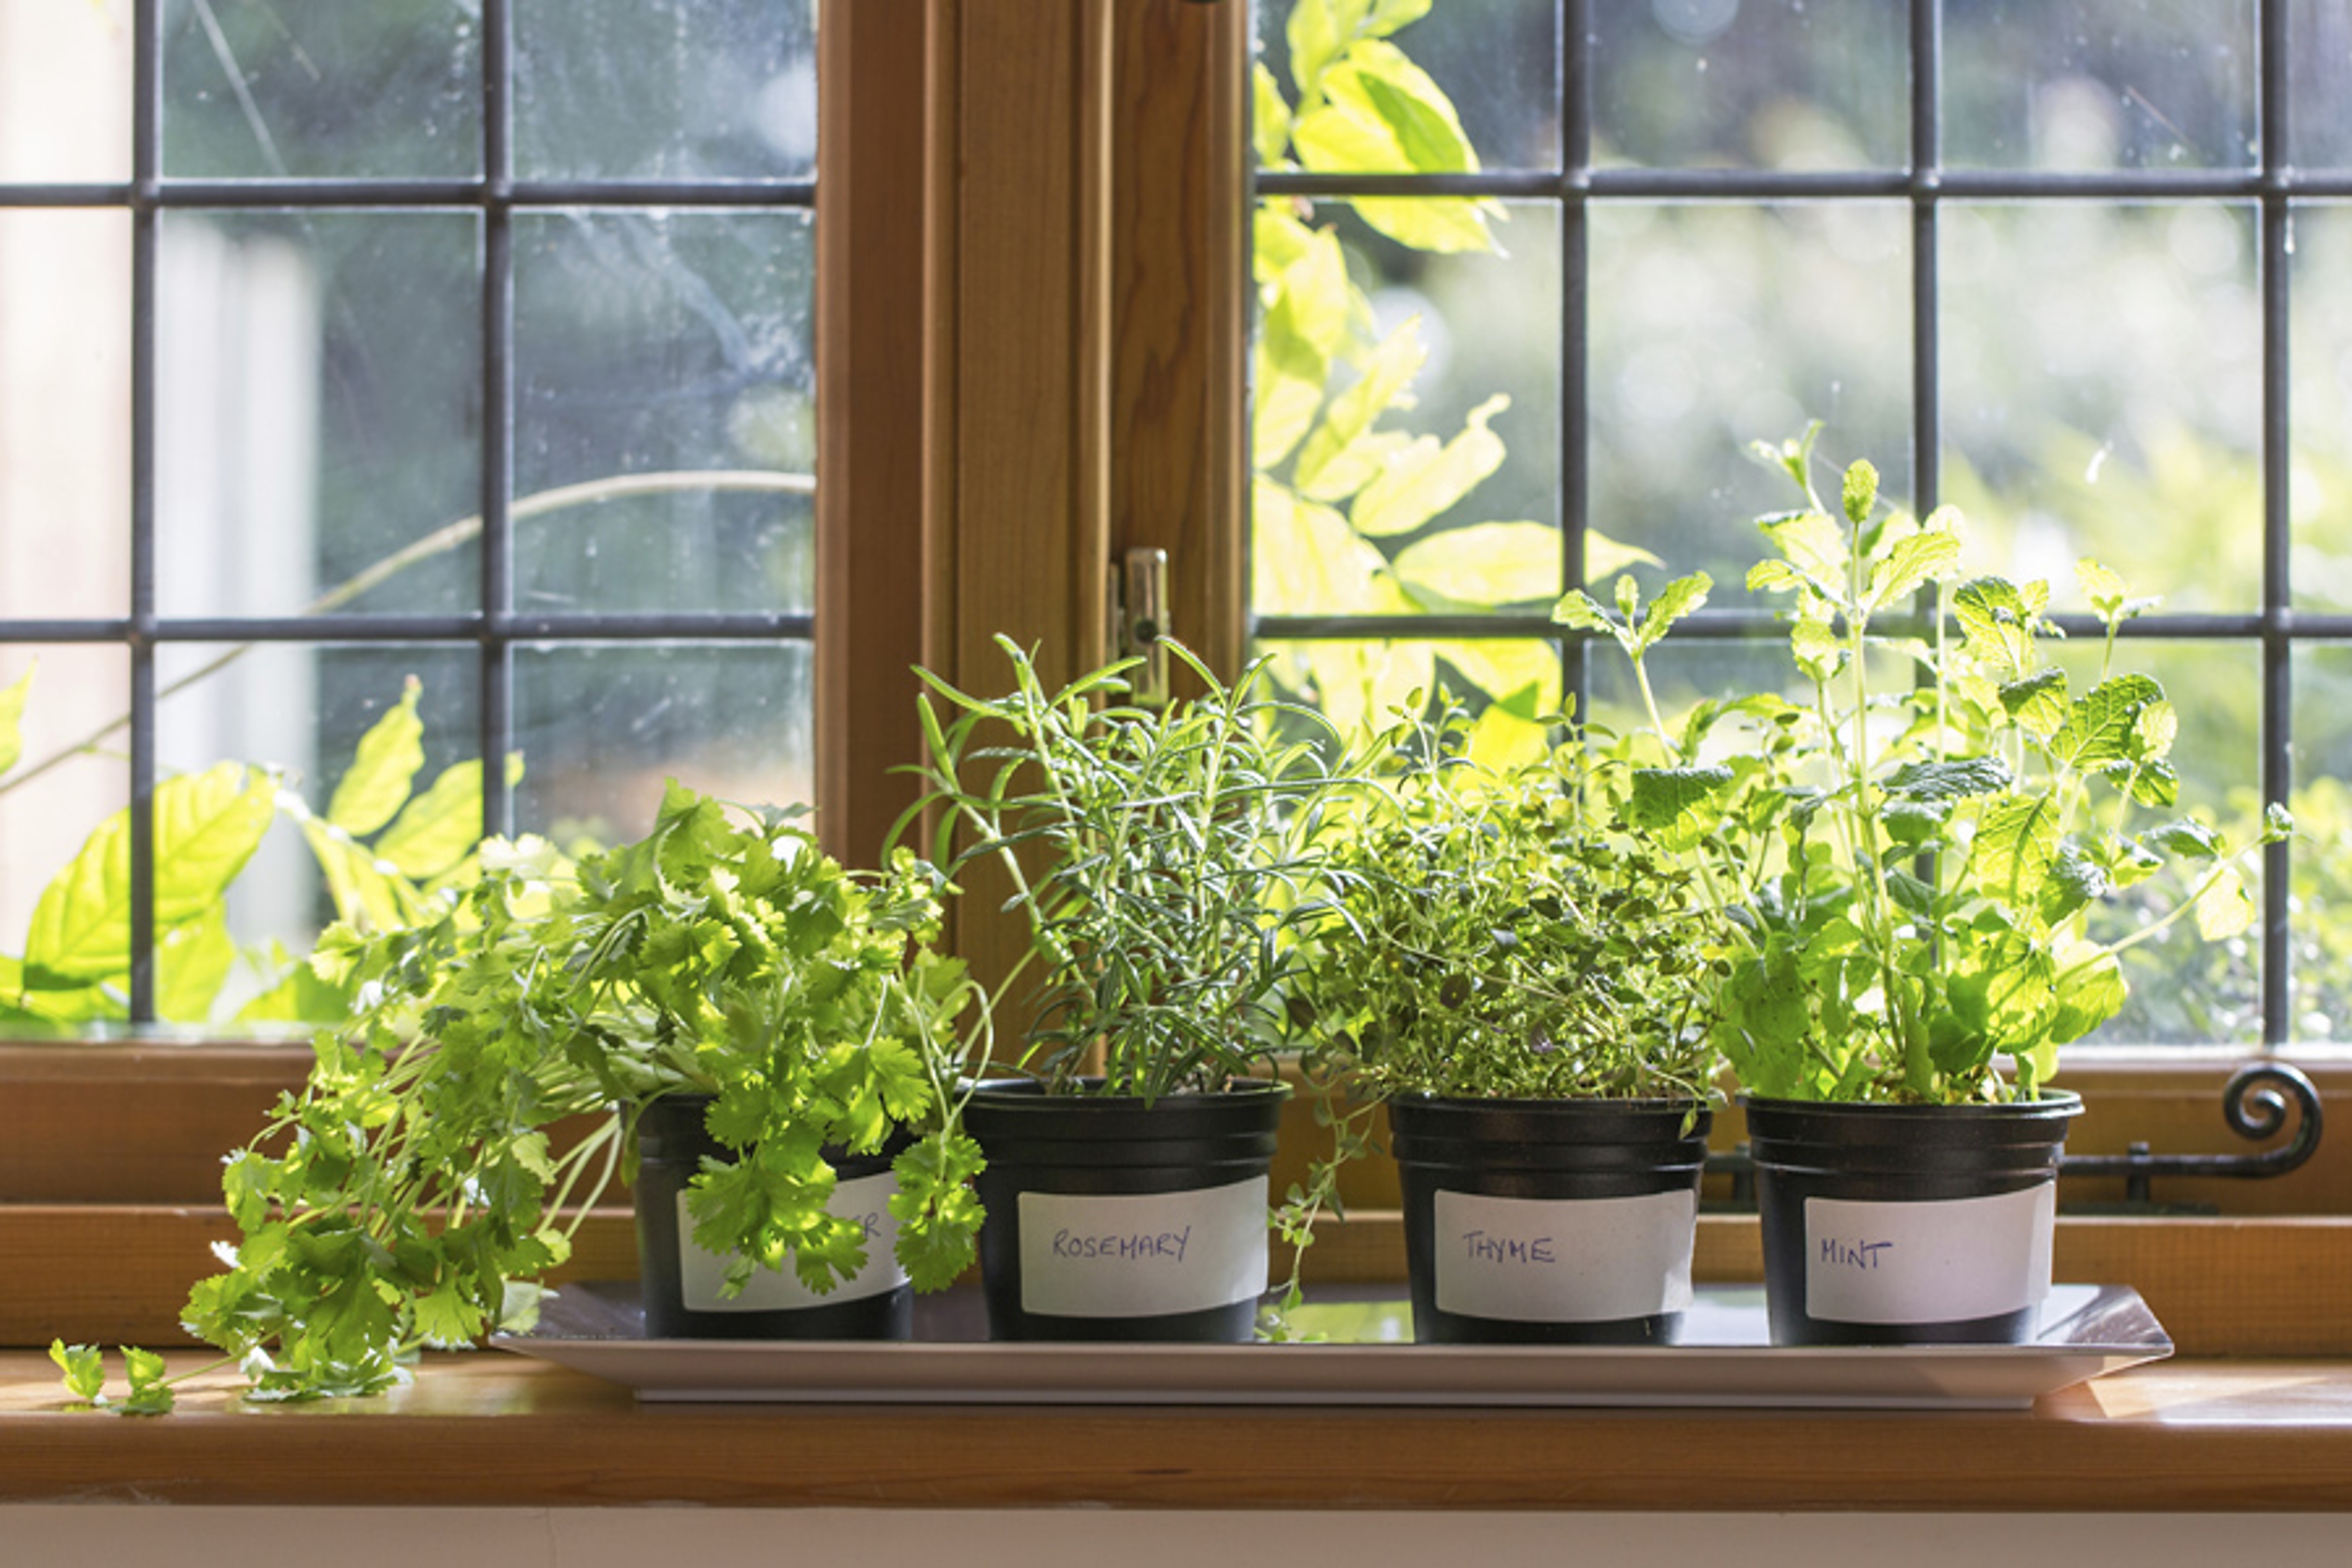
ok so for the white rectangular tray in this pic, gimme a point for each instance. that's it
(1368, 1359)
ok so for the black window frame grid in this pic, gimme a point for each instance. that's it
(2273, 185)
(492, 627)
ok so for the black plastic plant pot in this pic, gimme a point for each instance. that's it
(1109, 1218)
(680, 1280)
(1906, 1223)
(1548, 1222)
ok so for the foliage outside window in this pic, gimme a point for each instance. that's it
(1526, 293)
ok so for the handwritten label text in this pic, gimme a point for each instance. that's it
(1151, 1245)
(1481, 1247)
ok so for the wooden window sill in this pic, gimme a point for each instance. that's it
(491, 1430)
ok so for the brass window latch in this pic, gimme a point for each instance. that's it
(1138, 608)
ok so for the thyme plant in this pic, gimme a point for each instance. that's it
(1495, 935)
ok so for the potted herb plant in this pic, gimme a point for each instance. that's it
(1157, 857)
(1912, 866)
(760, 1022)
(1525, 983)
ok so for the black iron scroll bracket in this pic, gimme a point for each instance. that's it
(2261, 1099)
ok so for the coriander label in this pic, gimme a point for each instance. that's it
(865, 1201)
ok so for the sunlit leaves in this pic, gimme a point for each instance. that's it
(206, 826)
(12, 713)
(1425, 478)
(1484, 563)
(377, 782)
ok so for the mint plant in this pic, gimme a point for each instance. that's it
(415, 1190)
(1911, 875)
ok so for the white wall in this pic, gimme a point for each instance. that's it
(70, 1536)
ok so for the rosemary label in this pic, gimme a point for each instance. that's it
(1142, 1255)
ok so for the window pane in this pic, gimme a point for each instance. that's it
(334, 850)
(59, 791)
(2321, 479)
(1497, 61)
(2100, 84)
(65, 422)
(317, 409)
(2320, 878)
(601, 727)
(669, 350)
(1407, 440)
(682, 89)
(327, 87)
(2102, 391)
(1772, 84)
(1508, 686)
(1717, 325)
(2319, 83)
(2186, 991)
(64, 93)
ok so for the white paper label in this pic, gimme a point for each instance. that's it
(1564, 1260)
(1144, 1254)
(1940, 1262)
(865, 1201)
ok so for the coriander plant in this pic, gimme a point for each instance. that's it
(1911, 874)
(420, 1183)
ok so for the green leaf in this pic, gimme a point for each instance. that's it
(1911, 821)
(2223, 908)
(2189, 840)
(2155, 783)
(1305, 559)
(1485, 564)
(1813, 544)
(1815, 646)
(207, 827)
(2038, 703)
(1918, 560)
(1582, 611)
(1998, 622)
(194, 962)
(1426, 480)
(12, 713)
(1681, 597)
(441, 826)
(382, 769)
(1955, 780)
(2100, 584)
(1270, 116)
(2101, 724)
(2155, 730)
(1604, 555)
(1318, 30)
(2016, 840)
(83, 1368)
(1680, 806)
(1860, 492)
(2089, 995)
(1344, 453)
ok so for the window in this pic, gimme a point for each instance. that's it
(2075, 268)
(356, 342)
